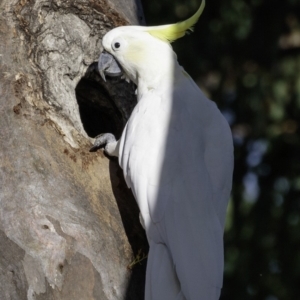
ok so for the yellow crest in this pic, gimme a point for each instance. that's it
(173, 32)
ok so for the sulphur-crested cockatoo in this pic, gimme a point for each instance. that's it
(176, 153)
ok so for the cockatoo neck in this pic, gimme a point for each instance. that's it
(158, 74)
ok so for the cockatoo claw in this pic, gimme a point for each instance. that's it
(102, 140)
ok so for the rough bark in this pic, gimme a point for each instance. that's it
(68, 225)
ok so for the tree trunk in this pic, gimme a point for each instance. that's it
(68, 224)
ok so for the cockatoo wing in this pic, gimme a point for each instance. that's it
(177, 156)
(142, 153)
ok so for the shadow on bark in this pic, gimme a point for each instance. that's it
(129, 212)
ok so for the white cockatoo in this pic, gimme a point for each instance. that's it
(176, 153)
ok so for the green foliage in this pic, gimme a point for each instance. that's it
(246, 56)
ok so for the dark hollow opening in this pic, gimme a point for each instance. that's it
(98, 112)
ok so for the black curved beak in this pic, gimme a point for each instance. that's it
(107, 65)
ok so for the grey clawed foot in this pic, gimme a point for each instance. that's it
(102, 140)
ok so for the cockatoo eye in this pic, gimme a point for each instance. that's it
(116, 46)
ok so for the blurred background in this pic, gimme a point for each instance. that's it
(245, 55)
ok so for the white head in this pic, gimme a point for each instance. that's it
(138, 52)
(142, 51)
